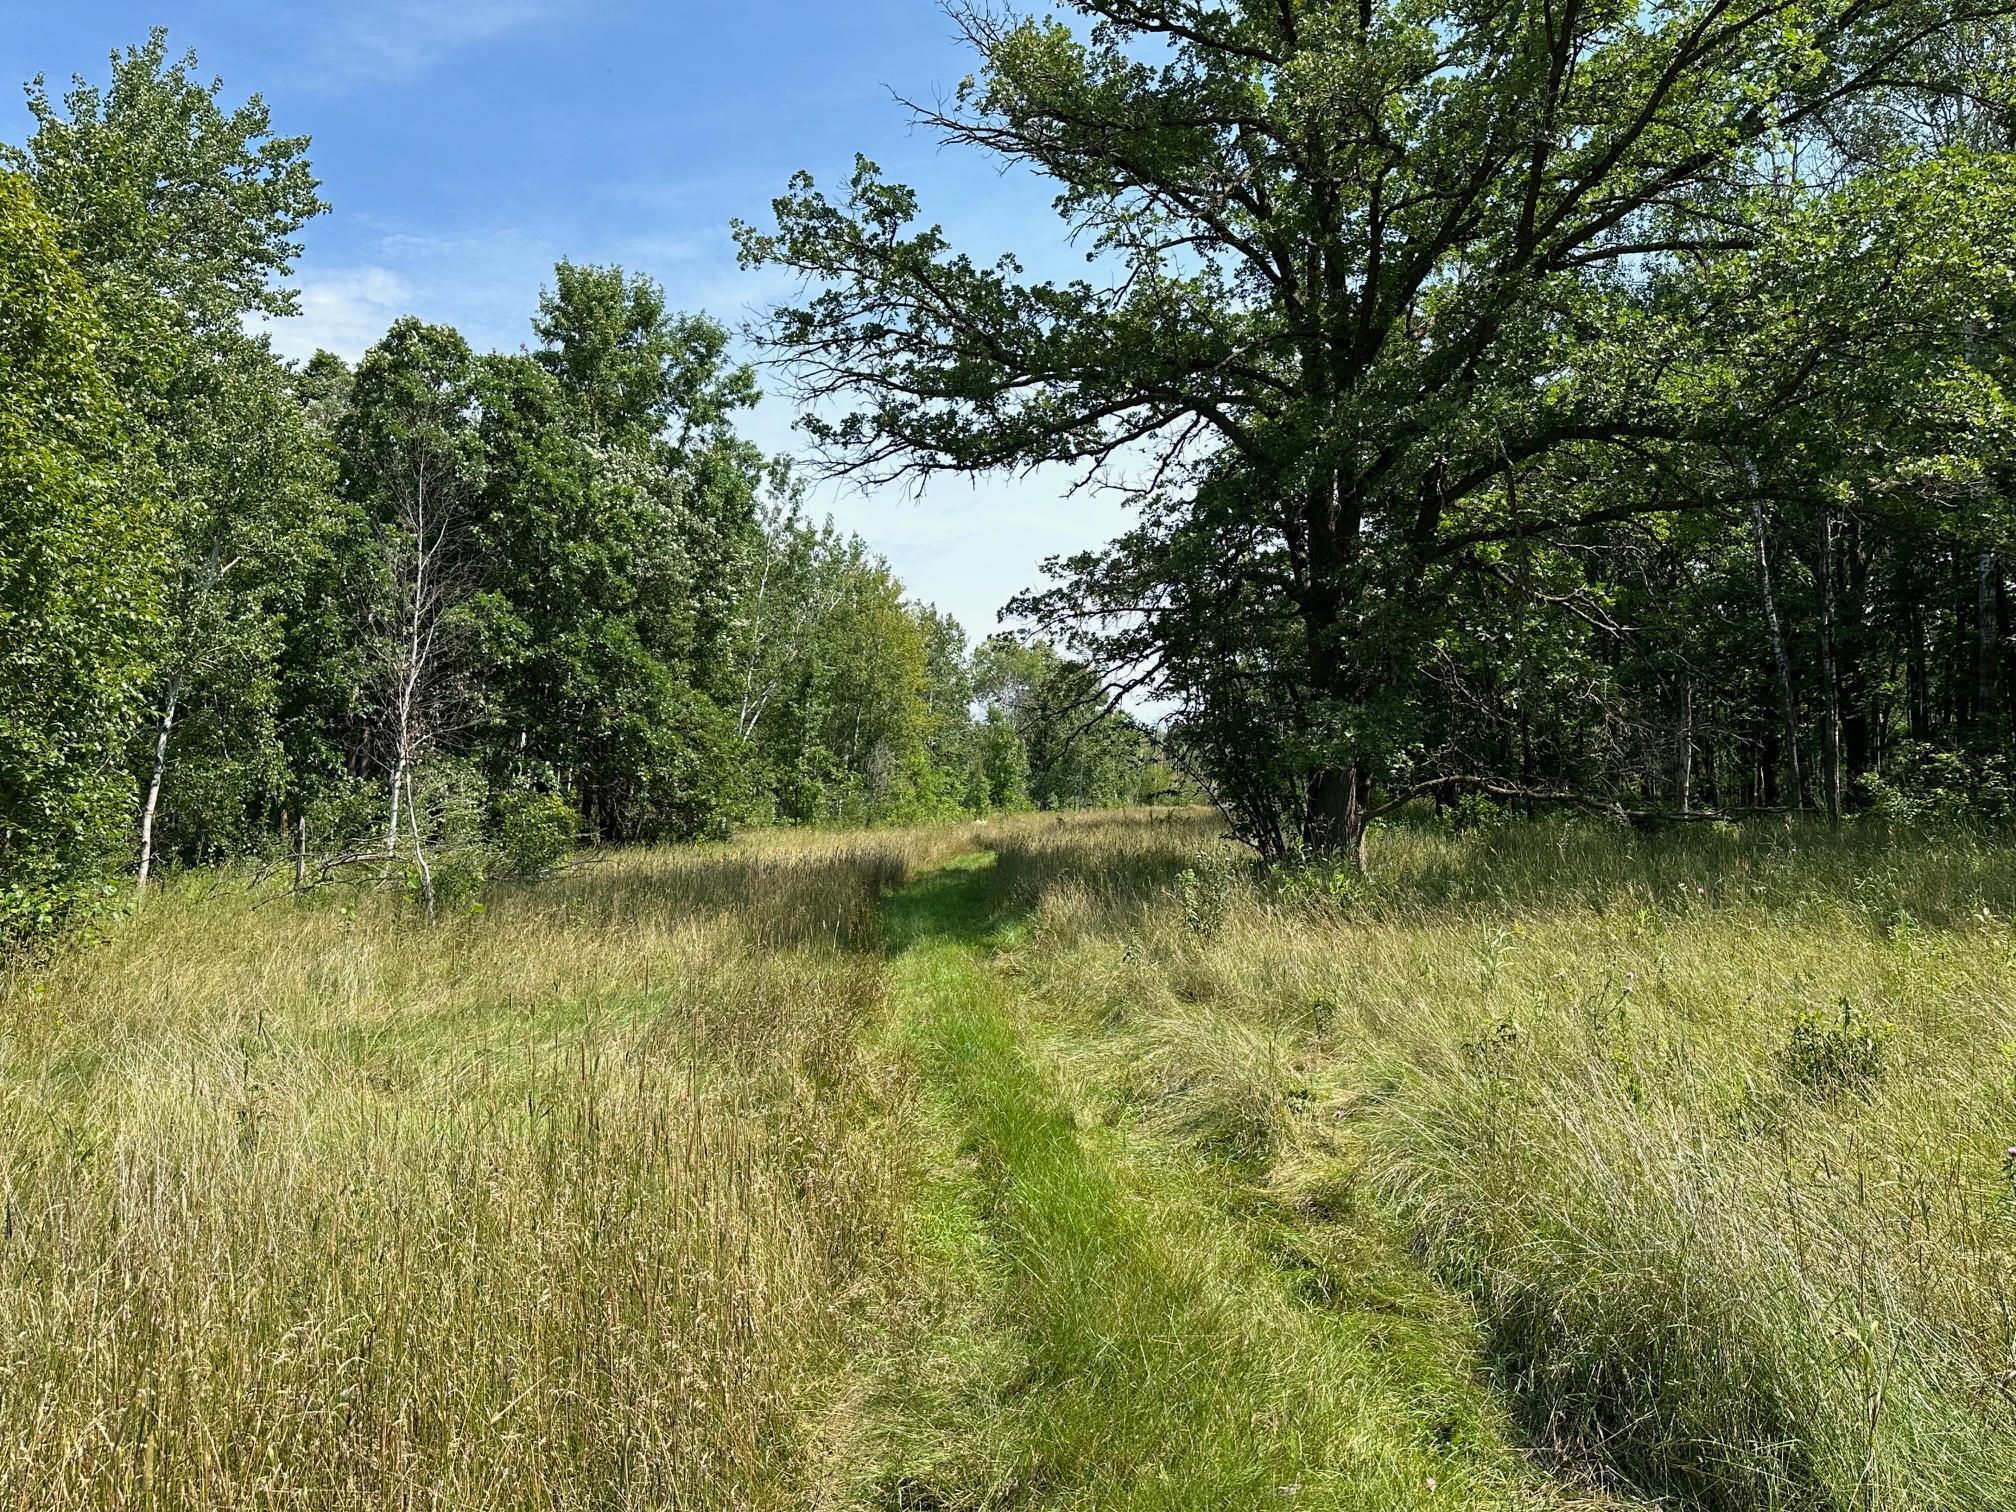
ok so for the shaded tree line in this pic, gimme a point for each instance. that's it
(1561, 402)
(372, 615)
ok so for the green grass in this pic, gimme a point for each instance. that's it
(1728, 1253)
(1161, 1356)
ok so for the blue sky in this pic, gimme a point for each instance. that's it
(466, 145)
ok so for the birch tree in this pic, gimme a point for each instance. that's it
(247, 519)
(410, 459)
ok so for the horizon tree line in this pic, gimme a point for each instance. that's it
(438, 601)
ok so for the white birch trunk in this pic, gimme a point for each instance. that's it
(153, 804)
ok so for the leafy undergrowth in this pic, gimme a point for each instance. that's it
(1710, 1127)
(1127, 1341)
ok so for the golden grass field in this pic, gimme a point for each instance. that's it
(568, 1203)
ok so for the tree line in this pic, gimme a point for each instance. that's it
(443, 603)
(1540, 402)
(1537, 403)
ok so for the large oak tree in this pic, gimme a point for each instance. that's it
(1375, 288)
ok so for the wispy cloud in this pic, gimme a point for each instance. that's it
(342, 312)
(398, 40)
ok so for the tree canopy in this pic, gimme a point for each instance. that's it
(1545, 403)
(444, 604)
(1404, 320)
(79, 584)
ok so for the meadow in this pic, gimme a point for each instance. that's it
(1041, 1163)
(569, 1202)
(1711, 1129)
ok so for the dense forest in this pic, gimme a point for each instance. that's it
(482, 604)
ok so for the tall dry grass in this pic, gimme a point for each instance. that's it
(578, 1201)
(1711, 1125)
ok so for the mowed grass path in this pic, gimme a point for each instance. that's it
(1162, 1358)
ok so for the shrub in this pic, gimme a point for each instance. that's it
(1204, 889)
(1474, 813)
(1835, 1055)
(1320, 884)
(345, 812)
(1923, 784)
(459, 879)
(536, 832)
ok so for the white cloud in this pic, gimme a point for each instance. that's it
(342, 312)
(395, 40)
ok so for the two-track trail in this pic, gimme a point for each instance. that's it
(1158, 1355)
